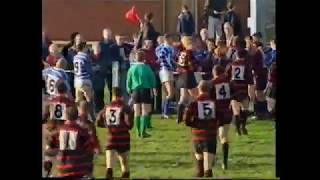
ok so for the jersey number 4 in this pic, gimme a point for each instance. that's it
(206, 110)
(113, 116)
(222, 91)
(68, 140)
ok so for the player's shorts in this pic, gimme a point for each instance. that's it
(224, 117)
(141, 96)
(261, 81)
(209, 146)
(119, 150)
(83, 87)
(186, 80)
(165, 75)
(240, 97)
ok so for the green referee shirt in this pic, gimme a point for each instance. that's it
(140, 76)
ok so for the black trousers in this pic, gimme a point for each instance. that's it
(109, 84)
(99, 100)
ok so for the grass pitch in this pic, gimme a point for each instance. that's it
(168, 153)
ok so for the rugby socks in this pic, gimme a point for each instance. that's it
(244, 116)
(225, 150)
(143, 127)
(180, 112)
(125, 175)
(236, 119)
(137, 122)
(208, 173)
(148, 121)
(200, 168)
(109, 174)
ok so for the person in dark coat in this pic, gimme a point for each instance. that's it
(147, 29)
(233, 19)
(185, 23)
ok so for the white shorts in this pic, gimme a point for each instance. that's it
(165, 75)
(83, 87)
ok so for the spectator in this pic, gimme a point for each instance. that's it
(45, 45)
(207, 64)
(124, 52)
(109, 54)
(147, 29)
(215, 10)
(228, 33)
(270, 56)
(54, 55)
(233, 19)
(236, 44)
(204, 34)
(185, 23)
(66, 48)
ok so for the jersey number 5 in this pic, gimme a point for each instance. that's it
(206, 110)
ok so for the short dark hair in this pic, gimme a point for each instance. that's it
(218, 69)
(185, 7)
(81, 46)
(140, 53)
(61, 87)
(72, 113)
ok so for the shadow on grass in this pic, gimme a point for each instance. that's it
(178, 154)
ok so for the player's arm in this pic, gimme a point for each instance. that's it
(101, 118)
(128, 117)
(188, 115)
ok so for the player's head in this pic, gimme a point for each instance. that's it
(217, 71)
(241, 54)
(227, 28)
(61, 87)
(62, 63)
(203, 87)
(160, 39)
(81, 47)
(83, 107)
(140, 55)
(210, 44)
(187, 42)
(168, 39)
(147, 44)
(72, 113)
(220, 52)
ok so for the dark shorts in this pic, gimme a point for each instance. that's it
(224, 117)
(240, 97)
(120, 150)
(141, 96)
(205, 146)
(186, 80)
(261, 81)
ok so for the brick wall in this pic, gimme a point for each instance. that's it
(89, 17)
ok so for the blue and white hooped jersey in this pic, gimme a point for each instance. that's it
(52, 76)
(82, 66)
(166, 57)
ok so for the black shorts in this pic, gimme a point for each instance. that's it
(224, 117)
(120, 150)
(205, 146)
(141, 96)
(186, 80)
(239, 97)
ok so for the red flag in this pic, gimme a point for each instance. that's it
(132, 16)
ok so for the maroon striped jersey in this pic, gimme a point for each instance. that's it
(200, 115)
(241, 76)
(186, 62)
(221, 92)
(113, 117)
(256, 62)
(73, 157)
(58, 105)
(91, 129)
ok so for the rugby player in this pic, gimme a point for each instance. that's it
(166, 59)
(221, 93)
(241, 78)
(141, 82)
(200, 115)
(117, 117)
(72, 157)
